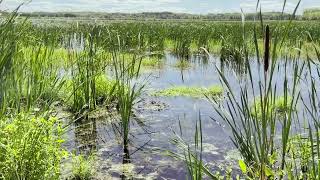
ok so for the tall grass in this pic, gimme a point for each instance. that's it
(31, 79)
(30, 143)
(192, 155)
(87, 65)
(310, 165)
(28, 75)
(10, 35)
(272, 144)
(255, 137)
(128, 93)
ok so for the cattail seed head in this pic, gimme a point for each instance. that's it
(267, 49)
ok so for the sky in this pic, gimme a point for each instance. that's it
(133, 6)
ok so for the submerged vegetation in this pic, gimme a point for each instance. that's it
(54, 77)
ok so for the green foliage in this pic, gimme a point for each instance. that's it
(105, 90)
(30, 147)
(230, 52)
(196, 92)
(243, 166)
(193, 155)
(265, 143)
(36, 60)
(83, 168)
(152, 62)
(171, 16)
(127, 91)
(311, 14)
(279, 105)
(86, 65)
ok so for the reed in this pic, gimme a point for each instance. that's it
(254, 135)
(127, 90)
(192, 156)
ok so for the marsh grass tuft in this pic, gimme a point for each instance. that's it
(83, 167)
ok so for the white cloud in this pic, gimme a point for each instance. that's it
(92, 5)
(277, 5)
(190, 6)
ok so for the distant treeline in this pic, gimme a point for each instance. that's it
(310, 14)
(156, 15)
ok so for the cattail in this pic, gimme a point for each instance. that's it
(267, 49)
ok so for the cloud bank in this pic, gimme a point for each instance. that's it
(133, 6)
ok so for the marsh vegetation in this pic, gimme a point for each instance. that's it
(159, 99)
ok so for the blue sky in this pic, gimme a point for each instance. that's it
(187, 6)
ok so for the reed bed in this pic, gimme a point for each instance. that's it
(263, 117)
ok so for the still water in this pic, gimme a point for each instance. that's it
(160, 117)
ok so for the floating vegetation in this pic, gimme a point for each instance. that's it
(152, 62)
(195, 92)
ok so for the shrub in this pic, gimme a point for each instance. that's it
(30, 147)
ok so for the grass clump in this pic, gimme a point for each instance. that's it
(30, 148)
(83, 167)
(128, 91)
(279, 105)
(195, 92)
(104, 89)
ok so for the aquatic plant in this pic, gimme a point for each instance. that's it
(86, 66)
(192, 155)
(279, 105)
(105, 90)
(41, 83)
(196, 92)
(253, 129)
(153, 62)
(83, 168)
(232, 52)
(127, 92)
(37, 61)
(10, 37)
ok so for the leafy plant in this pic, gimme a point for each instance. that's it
(83, 168)
(30, 147)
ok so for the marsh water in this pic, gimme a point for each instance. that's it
(162, 118)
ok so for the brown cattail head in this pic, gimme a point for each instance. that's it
(267, 49)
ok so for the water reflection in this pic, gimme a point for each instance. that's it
(143, 159)
(86, 135)
(239, 67)
(126, 160)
